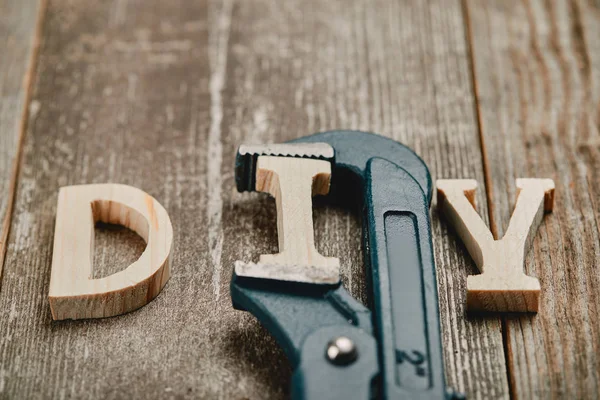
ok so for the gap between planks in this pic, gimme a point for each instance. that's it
(28, 82)
(488, 186)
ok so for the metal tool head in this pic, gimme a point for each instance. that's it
(247, 156)
(354, 149)
(393, 350)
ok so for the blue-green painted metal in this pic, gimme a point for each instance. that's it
(399, 343)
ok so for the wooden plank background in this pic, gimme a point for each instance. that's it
(18, 39)
(159, 94)
(537, 68)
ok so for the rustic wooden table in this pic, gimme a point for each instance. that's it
(158, 94)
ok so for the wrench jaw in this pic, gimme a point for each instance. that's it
(247, 158)
(353, 150)
(296, 294)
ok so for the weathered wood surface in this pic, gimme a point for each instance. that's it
(17, 39)
(159, 94)
(537, 68)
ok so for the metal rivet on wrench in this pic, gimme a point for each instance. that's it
(341, 351)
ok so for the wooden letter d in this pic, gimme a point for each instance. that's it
(73, 293)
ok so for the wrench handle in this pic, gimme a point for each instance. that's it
(399, 254)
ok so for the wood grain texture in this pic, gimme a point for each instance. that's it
(159, 95)
(17, 41)
(537, 69)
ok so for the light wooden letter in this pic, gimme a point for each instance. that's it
(502, 284)
(73, 293)
(293, 182)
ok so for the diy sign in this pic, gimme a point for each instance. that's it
(502, 285)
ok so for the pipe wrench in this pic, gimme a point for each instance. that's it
(340, 349)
